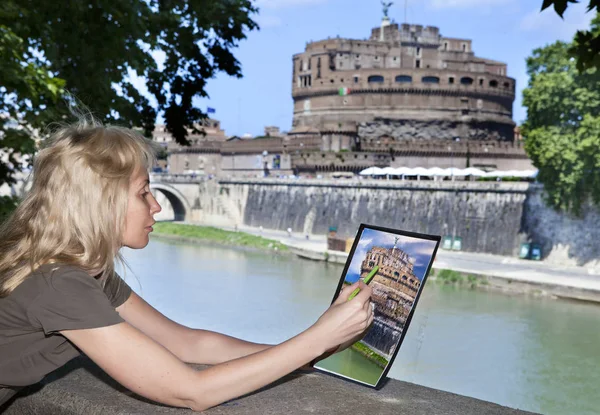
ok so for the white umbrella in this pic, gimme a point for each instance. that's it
(472, 171)
(421, 171)
(437, 171)
(389, 170)
(372, 171)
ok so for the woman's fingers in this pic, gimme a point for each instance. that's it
(346, 291)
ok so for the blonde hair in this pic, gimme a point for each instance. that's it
(75, 211)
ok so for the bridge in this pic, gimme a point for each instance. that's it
(195, 198)
(182, 192)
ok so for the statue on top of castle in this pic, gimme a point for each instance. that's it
(386, 8)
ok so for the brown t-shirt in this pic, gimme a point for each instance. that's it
(54, 297)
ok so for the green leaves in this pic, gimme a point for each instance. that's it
(29, 95)
(91, 47)
(95, 45)
(562, 131)
(586, 47)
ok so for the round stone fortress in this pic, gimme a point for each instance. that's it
(406, 82)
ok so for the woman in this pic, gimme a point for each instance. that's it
(90, 196)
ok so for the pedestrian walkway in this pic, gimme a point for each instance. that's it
(538, 273)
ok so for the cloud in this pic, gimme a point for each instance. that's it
(575, 18)
(280, 4)
(462, 4)
(419, 250)
(267, 21)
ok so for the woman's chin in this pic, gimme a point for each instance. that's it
(142, 243)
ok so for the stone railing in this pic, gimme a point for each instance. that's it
(177, 178)
(81, 387)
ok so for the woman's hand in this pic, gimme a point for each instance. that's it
(345, 320)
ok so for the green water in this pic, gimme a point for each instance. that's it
(539, 355)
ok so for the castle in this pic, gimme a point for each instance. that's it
(405, 97)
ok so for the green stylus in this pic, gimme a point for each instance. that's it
(366, 281)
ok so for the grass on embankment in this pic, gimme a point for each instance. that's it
(208, 233)
(451, 277)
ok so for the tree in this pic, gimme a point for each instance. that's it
(586, 46)
(93, 44)
(562, 130)
(29, 100)
(89, 47)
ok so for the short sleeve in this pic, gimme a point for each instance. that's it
(70, 300)
(117, 290)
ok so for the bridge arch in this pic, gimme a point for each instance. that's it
(181, 206)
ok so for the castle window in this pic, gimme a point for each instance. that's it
(371, 264)
(378, 79)
(404, 78)
(430, 80)
(464, 47)
(480, 81)
(465, 80)
(357, 56)
(445, 45)
(418, 63)
(451, 80)
(506, 85)
(356, 79)
(494, 84)
(418, 51)
(318, 68)
(309, 64)
(404, 277)
(396, 274)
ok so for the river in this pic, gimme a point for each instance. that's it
(535, 354)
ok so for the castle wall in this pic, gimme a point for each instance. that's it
(490, 217)
(406, 72)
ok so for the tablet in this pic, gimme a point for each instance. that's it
(403, 260)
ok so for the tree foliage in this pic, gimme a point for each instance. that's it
(29, 96)
(562, 131)
(586, 45)
(94, 44)
(90, 48)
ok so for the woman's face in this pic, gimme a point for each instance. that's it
(141, 207)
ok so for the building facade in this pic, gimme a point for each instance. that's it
(422, 84)
(405, 97)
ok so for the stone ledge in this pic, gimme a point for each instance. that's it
(81, 387)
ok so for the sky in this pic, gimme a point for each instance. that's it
(419, 251)
(504, 30)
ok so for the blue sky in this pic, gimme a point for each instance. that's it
(419, 250)
(504, 30)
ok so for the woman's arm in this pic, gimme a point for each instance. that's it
(149, 369)
(189, 345)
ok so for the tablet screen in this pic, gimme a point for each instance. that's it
(403, 260)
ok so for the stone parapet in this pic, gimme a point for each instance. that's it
(448, 186)
(81, 387)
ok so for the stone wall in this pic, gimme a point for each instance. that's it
(435, 130)
(486, 215)
(565, 239)
(489, 217)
